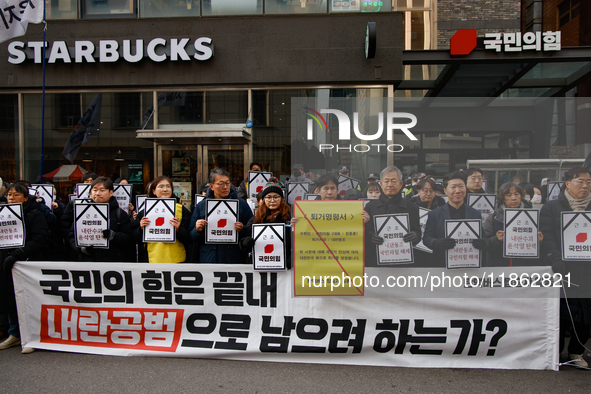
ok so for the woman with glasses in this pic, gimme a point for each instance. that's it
(36, 239)
(273, 209)
(576, 312)
(426, 197)
(158, 252)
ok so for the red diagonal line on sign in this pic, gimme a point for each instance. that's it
(322, 239)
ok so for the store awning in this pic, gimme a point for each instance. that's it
(210, 134)
(485, 73)
(66, 173)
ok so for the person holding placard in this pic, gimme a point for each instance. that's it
(160, 252)
(455, 208)
(474, 180)
(36, 236)
(574, 196)
(509, 195)
(273, 209)
(425, 197)
(243, 189)
(118, 232)
(219, 253)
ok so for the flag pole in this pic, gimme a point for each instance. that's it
(43, 94)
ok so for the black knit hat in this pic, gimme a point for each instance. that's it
(273, 186)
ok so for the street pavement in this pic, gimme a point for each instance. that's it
(57, 372)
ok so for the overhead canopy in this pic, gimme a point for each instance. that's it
(486, 73)
(66, 173)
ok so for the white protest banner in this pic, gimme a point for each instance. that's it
(296, 191)
(90, 220)
(464, 254)
(256, 182)
(160, 211)
(140, 202)
(554, 190)
(190, 310)
(221, 217)
(16, 16)
(198, 198)
(12, 226)
(346, 183)
(423, 215)
(392, 228)
(312, 197)
(483, 203)
(521, 233)
(576, 239)
(45, 192)
(83, 190)
(268, 253)
(122, 194)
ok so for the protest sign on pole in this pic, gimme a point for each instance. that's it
(221, 217)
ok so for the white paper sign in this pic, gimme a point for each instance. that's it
(45, 192)
(296, 191)
(12, 226)
(198, 199)
(83, 190)
(256, 182)
(160, 211)
(83, 201)
(576, 235)
(554, 190)
(464, 254)
(221, 217)
(312, 197)
(268, 253)
(483, 203)
(90, 222)
(521, 233)
(346, 183)
(423, 214)
(122, 194)
(392, 228)
(140, 202)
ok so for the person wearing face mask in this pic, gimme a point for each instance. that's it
(298, 175)
(509, 195)
(532, 193)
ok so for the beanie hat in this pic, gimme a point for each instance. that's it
(273, 186)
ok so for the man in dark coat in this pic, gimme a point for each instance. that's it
(474, 179)
(220, 188)
(390, 201)
(455, 208)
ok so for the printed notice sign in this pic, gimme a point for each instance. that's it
(83, 190)
(160, 211)
(554, 190)
(483, 203)
(392, 228)
(521, 233)
(296, 191)
(256, 182)
(464, 254)
(122, 194)
(12, 227)
(346, 183)
(45, 192)
(90, 222)
(576, 235)
(423, 214)
(222, 215)
(268, 253)
(140, 202)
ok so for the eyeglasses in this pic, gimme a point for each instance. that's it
(580, 182)
(272, 198)
(163, 187)
(14, 195)
(223, 184)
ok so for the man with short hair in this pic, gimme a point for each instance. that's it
(389, 202)
(455, 208)
(242, 189)
(220, 188)
(474, 180)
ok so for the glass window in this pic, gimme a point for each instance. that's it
(295, 6)
(169, 8)
(62, 9)
(226, 106)
(108, 9)
(8, 137)
(232, 7)
(437, 164)
(359, 6)
(179, 108)
(67, 110)
(127, 110)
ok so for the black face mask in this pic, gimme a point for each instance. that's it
(297, 173)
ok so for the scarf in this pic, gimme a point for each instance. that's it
(577, 204)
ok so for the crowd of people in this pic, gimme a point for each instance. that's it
(50, 234)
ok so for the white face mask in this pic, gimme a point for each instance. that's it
(536, 199)
(527, 198)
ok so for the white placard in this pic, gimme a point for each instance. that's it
(268, 253)
(256, 182)
(12, 226)
(198, 199)
(312, 197)
(521, 233)
(576, 235)
(140, 202)
(554, 190)
(464, 254)
(346, 183)
(392, 228)
(423, 215)
(83, 190)
(122, 194)
(483, 203)
(45, 192)
(365, 202)
(83, 201)
(296, 191)
(160, 211)
(221, 217)
(90, 222)
(72, 197)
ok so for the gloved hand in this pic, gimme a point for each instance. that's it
(87, 250)
(108, 234)
(444, 244)
(377, 240)
(410, 237)
(8, 263)
(246, 243)
(480, 244)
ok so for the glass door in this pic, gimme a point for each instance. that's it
(181, 163)
(232, 158)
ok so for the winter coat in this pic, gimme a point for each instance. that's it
(437, 202)
(286, 242)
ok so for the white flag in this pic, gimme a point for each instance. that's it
(89, 124)
(16, 15)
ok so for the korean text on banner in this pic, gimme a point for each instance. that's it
(328, 243)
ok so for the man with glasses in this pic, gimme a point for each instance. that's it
(220, 188)
(474, 180)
